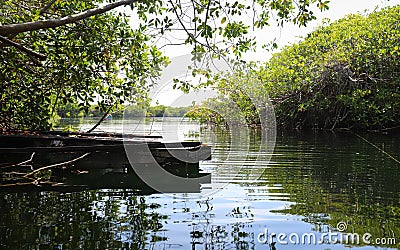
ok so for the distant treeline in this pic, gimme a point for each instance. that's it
(156, 111)
(73, 111)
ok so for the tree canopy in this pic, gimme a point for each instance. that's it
(55, 52)
(343, 75)
(99, 59)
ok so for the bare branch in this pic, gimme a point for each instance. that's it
(56, 165)
(21, 163)
(184, 27)
(53, 23)
(46, 7)
(102, 119)
(172, 44)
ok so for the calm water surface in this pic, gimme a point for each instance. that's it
(312, 182)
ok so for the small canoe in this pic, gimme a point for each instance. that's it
(55, 147)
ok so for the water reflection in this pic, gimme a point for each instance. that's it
(334, 178)
(83, 220)
(313, 181)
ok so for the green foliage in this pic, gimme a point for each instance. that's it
(73, 110)
(205, 115)
(342, 75)
(100, 59)
(225, 23)
(236, 103)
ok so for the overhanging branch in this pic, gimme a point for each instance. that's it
(53, 23)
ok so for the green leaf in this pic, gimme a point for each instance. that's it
(223, 20)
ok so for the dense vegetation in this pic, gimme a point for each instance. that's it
(236, 103)
(55, 52)
(346, 74)
(343, 75)
(101, 59)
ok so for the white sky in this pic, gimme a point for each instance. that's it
(289, 34)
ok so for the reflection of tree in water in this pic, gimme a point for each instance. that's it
(333, 178)
(208, 235)
(88, 220)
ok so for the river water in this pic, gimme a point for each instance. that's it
(318, 190)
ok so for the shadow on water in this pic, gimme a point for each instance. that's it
(312, 182)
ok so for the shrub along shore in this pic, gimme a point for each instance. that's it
(343, 75)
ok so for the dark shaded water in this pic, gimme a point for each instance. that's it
(313, 182)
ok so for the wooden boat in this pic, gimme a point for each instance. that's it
(57, 143)
(98, 156)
